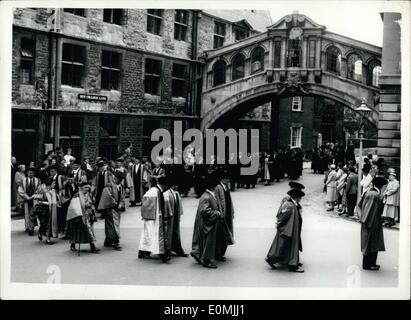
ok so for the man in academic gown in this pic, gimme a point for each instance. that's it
(174, 209)
(102, 178)
(137, 190)
(112, 202)
(225, 234)
(372, 237)
(204, 244)
(80, 176)
(27, 191)
(154, 237)
(287, 242)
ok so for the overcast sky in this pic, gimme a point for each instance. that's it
(360, 20)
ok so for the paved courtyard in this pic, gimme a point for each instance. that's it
(331, 249)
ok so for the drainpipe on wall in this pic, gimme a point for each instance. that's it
(194, 55)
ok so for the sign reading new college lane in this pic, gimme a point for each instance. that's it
(92, 97)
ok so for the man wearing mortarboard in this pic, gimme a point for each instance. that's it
(102, 178)
(287, 242)
(111, 203)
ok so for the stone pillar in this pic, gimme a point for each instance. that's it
(283, 52)
(318, 53)
(304, 53)
(389, 124)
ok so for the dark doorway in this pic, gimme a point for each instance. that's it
(23, 147)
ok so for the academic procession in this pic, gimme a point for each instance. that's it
(63, 198)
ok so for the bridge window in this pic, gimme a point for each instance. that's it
(238, 67)
(257, 60)
(297, 103)
(296, 133)
(311, 54)
(376, 72)
(152, 76)
(277, 54)
(373, 73)
(154, 20)
(219, 34)
(294, 53)
(219, 70)
(354, 67)
(333, 55)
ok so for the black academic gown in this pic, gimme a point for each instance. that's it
(287, 242)
(372, 237)
(225, 233)
(204, 242)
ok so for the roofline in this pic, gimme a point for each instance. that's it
(341, 35)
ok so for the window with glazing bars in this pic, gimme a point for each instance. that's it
(26, 61)
(219, 34)
(311, 53)
(114, 16)
(110, 70)
(152, 76)
(76, 11)
(179, 80)
(73, 60)
(180, 25)
(294, 53)
(277, 54)
(154, 21)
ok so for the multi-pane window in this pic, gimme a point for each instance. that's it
(294, 53)
(76, 11)
(333, 60)
(376, 72)
(27, 61)
(219, 34)
(70, 134)
(219, 70)
(238, 67)
(354, 67)
(296, 137)
(110, 70)
(154, 20)
(114, 16)
(180, 25)
(72, 65)
(296, 104)
(108, 137)
(240, 34)
(311, 54)
(179, 80)
(277, 54)
(152, 77)
(257, 60)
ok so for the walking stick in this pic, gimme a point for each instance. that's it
(78, 234)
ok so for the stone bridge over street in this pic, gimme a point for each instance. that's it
(295, 56)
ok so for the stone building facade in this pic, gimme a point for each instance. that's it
(97, 79)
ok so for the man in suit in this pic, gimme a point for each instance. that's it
(27, 192)
(204, 244)
(112, 202)
(351, 191)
